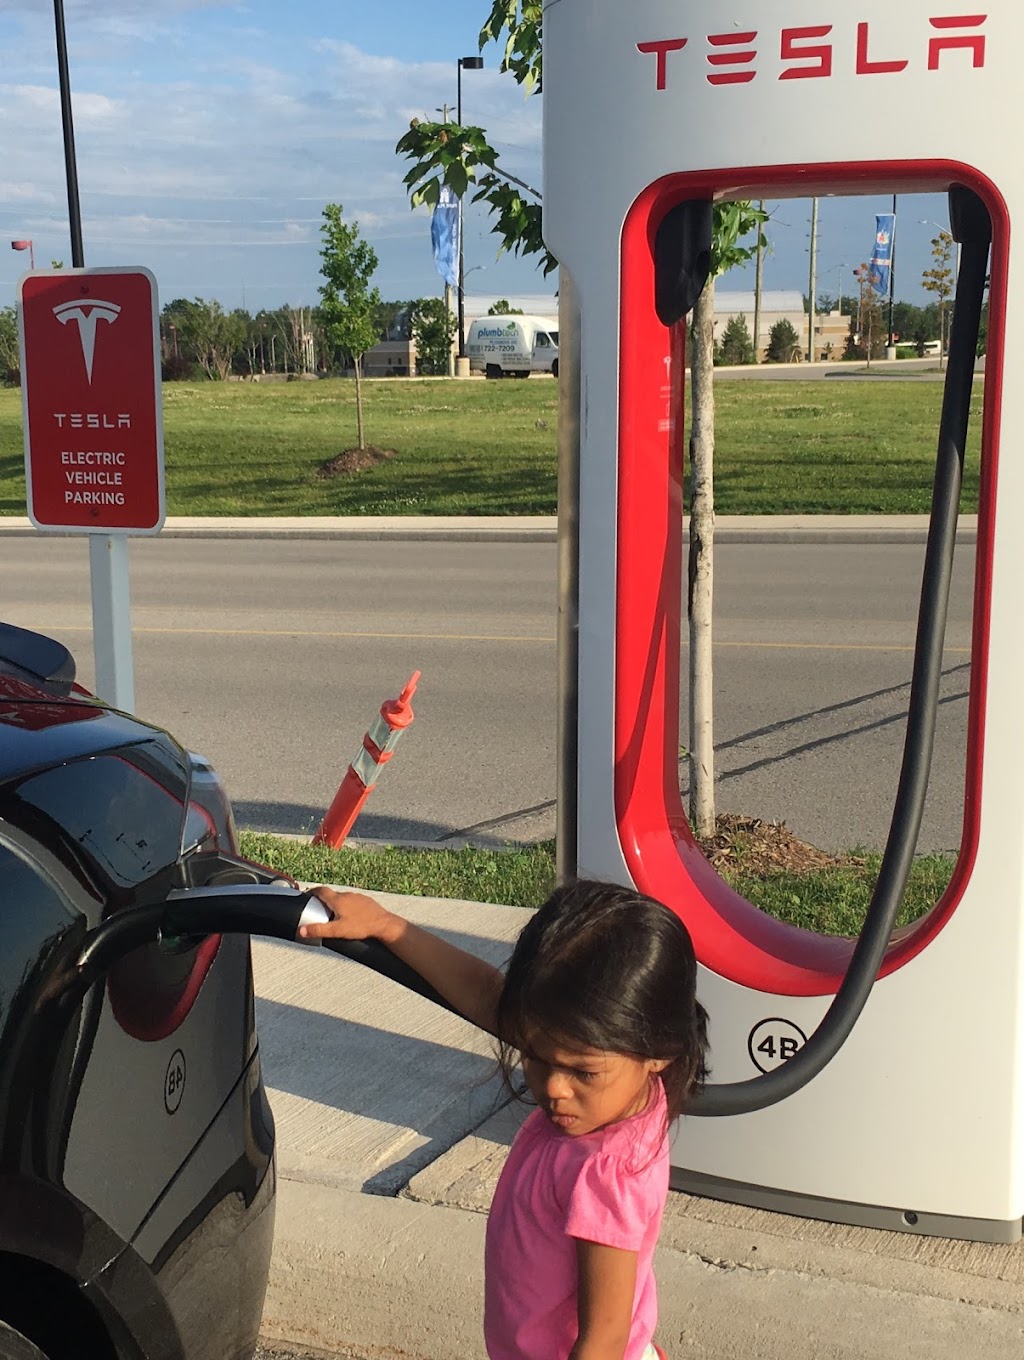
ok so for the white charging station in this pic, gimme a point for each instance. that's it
(917, 1122)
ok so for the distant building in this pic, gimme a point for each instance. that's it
(390, 359)
(830, 328)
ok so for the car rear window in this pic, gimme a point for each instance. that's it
(124, 810)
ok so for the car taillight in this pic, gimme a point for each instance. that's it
(209, 822)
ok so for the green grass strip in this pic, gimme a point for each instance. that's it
(830, 901)
(519, 878)
(489, 448)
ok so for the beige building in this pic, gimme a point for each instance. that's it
(830, 329)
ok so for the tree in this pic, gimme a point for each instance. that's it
(503, 308)
(783, 342)
(433, 329)
(736, 346)
(349, 306)
(940, 281)
(731, 225)
(871, 335)
(446, 154)
(10, 358)
(393, 320)
(206, 335)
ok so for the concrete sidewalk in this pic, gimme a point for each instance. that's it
(533, 528)
(392, 1130)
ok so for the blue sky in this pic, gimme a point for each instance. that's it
(210, 135)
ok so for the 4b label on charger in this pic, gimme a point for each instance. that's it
(773, 1042)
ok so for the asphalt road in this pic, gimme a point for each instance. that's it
(272, 657)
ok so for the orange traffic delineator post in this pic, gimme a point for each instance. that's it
(378, 747)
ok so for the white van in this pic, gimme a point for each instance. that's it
(513, 346)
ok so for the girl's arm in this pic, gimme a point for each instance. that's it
(607, 1284)
(471, 985)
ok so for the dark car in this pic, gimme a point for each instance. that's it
(136, 1143)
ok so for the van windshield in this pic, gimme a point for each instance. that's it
(554, 337)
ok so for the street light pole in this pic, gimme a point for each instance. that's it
(108, 553)
(758, 288)
(812, 283)
(470, 64)
(70, 164)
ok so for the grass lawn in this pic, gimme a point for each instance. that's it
(832, 901)
(468, 448)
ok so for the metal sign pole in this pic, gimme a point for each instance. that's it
(108, 555)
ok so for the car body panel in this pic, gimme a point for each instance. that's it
(136, 1144)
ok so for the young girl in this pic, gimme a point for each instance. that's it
(599, 1006)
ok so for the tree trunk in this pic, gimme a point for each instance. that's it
(359, 400)
(701, 565)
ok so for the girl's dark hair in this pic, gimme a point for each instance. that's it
(606, 967)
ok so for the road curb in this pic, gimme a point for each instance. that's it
(380, 1277)
(789, 529)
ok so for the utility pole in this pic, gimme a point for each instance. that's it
(758, 287)
(813, 281)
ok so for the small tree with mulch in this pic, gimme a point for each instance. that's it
(349, 306)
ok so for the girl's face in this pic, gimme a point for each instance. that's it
(584, 1089)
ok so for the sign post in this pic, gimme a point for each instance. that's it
(90, 365)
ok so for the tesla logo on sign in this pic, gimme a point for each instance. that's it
(731, 56)
(85, 314)
(90, 376)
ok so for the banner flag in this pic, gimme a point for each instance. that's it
(444, 233)
(880, 268)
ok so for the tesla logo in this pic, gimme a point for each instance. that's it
(87, 313)
(807, 55)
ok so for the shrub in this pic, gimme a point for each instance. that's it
(736, 346)
(783, 343)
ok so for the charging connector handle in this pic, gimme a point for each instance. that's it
(250, 909)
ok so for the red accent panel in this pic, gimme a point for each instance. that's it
(732, 937)
(157, 1020)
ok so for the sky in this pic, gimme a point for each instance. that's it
(210, 134)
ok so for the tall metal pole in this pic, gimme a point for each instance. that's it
(461, 304)
(70, 164)
(473, 64)
(813, 281)
(758, 288)
(108, 553)
(892, 278)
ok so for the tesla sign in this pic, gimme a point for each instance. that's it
(90, 377)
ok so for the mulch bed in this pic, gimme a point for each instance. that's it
(354, 460)
(752, 846)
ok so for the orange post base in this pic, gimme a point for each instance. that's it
(341, 815)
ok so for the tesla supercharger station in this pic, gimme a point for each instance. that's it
(914, 1121)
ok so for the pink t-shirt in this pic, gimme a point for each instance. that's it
(608, 1187)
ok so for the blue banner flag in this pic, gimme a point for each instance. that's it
(880, 268)
(444, 233)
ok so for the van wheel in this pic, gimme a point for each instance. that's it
(14, 1346)
(492, 371)
(554, 368)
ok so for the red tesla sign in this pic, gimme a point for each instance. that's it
(90, 377)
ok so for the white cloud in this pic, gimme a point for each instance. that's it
(205, 163)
